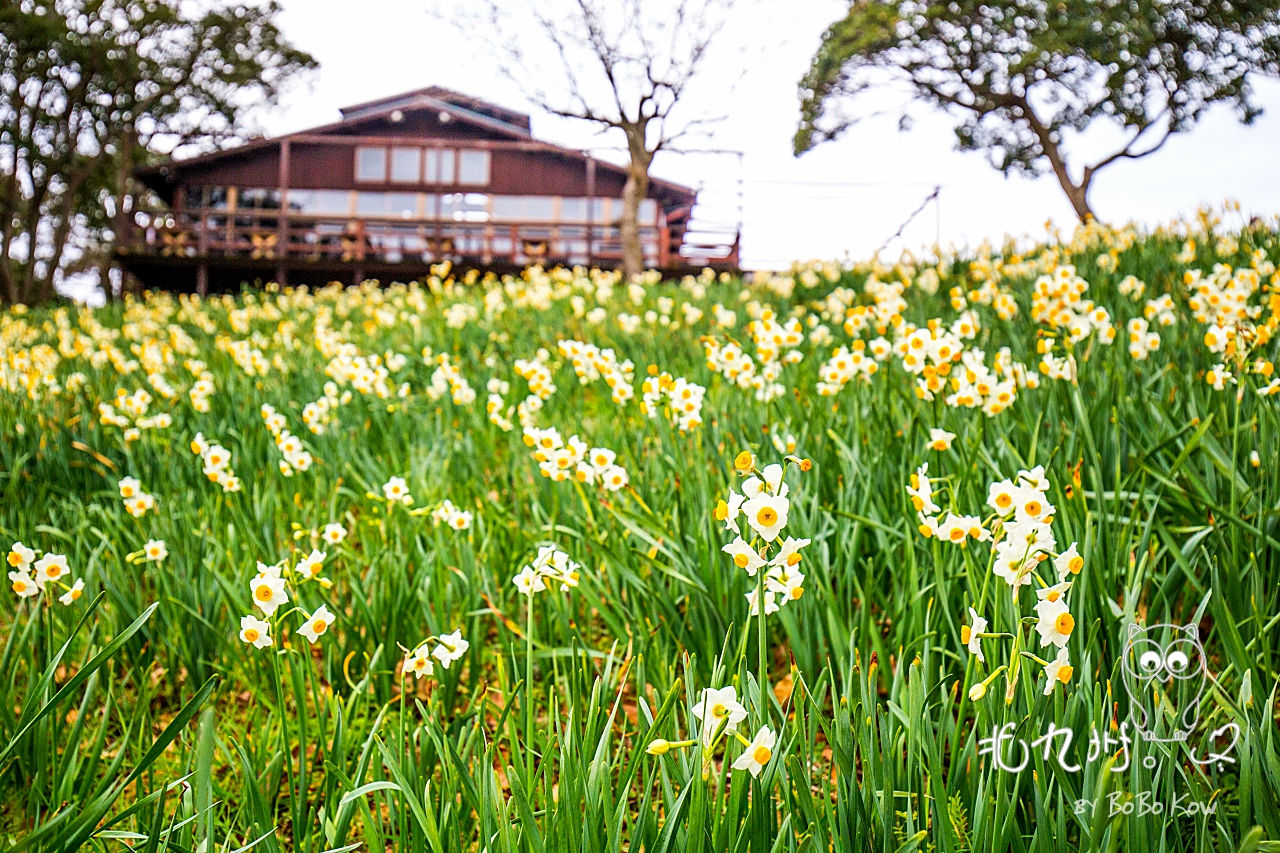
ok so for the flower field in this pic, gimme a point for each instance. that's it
(972, 554)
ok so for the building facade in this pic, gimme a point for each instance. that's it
(395, 186)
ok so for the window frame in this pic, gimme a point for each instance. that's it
(361, 150)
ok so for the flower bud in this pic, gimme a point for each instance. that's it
(977, 691)
(659, 747)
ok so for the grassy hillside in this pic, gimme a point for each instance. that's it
(443, 567)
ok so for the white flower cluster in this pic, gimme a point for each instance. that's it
(497, 388)
(558, 459)
(217, 463)
(51, 573)
(319, 414)
(537, 374)
(245, 354)
(1221, 298)
(1142, 340)
(1132, 287)
(132, 417)
(202, 389)
(1058, 301)
(993, 389)
(684, 399)
(731, 362)
(552, 565)
(446, 649)
(457, 315)
(450, 515)
(776, 341)
(845, 365)
(591, 363)
(1160, 311)
(447, 377)
(1053, 366)
(628, 323)
(296, 457)
(764, 504)
(136, 502)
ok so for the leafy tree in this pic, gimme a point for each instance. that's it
(89, 89)
(1019, 75)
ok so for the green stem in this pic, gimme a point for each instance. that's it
(528, 698)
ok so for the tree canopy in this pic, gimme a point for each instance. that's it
(1018, 76)
(89, 89)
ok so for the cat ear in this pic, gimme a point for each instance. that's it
(1192, 631)
(1134, 630)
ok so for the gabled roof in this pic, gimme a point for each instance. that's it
(432, 96)
(499, 121)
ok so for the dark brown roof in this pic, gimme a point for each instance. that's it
(508, 126)
(433, 95)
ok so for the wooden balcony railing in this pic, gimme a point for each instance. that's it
(282, 237)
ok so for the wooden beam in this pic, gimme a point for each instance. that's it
(282, 227)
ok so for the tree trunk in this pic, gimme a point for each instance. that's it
(634, 191)
(1077, 194)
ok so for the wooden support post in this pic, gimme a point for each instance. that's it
(282, 225)
(202, 278)
(591, 203)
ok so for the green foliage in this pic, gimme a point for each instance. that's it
(185, 738)
(90, 89)
(1019, 76)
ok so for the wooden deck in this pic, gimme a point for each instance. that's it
(218, 250)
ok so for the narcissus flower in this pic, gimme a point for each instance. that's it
(449, 648)
(1054, 623)
(268, 593)
(757, 753)
(940, 439)
(528, 581)
(51, 567)
(21, 557)
(719, 706)
(155, 550)
(129, 487)
(317, 623)
(255, 631)
(334, 533)
(1069, 562)
(767, 514)
(1058, 670)
(72, 595)
(744, 556)
(397, 491)
(971, 634)
(418, 662)
(311, 565)
(23, 585)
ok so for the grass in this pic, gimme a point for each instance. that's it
(137, 717)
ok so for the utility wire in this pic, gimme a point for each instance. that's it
(930, 197)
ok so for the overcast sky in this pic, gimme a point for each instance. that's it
(847, 196)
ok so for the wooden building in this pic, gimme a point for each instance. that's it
(397, 185)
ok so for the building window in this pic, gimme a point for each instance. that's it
(473, 168)
(440, 166)
(321, 202)
(256, 198)
(524, 208)
(371, 164)
(465, 207)
(406, 165)
(387, 205)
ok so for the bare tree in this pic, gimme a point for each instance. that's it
(624, 66)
